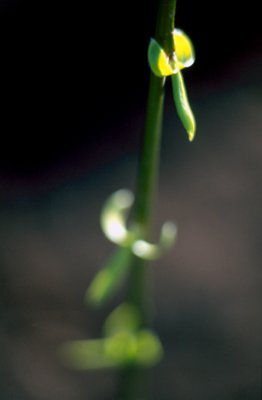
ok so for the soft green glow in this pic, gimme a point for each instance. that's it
(124, 347)
(121, 348)
(149, 348)
(124, 318)
(182, 105)
(108, 279)
(85, 354)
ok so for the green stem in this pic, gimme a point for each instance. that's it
(149, 159)
(131, 377)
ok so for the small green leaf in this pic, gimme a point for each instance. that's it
(121, 348)
(108, 279)
(184, 49)
(114, 215)
(85, 354)
(149, 251)
(149, 349)
(124, 318)
(182, 105)
(159, 61)
(124, 347)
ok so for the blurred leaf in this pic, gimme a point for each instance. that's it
(149, 348)
(114, 216)
(184, 49)
(121, 348)
(149, 251)
(124, 318)
(85, 354)
(108, 279)
(159, 61)
(182, 105)
(141, 348)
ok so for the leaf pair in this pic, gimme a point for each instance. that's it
(124, 343)
(114, 225)
(163, 65)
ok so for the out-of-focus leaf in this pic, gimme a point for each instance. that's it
(109, 278)
(149, 251)
(184, 49)
(85, 354)
(121, 348)
(125, 318)
(159, 61)
(114, 216)
(149, 348)
(182, 105)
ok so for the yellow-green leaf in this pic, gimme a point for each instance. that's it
(149, 348)
(184, 49)
(158, 60)
(124, 318)
(121, 348)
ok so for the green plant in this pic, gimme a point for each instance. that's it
(127, 342)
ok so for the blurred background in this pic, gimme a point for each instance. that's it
(74, 79)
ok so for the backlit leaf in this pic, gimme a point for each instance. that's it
(158, 60)
(182, 105)
(184, 49)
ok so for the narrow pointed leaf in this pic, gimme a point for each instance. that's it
(182, 105)
(108, 279)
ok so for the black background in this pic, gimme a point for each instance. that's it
(70, 69)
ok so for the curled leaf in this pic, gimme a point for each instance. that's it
(149, 251)
(182, 105)
(114, 216)
(159, 61)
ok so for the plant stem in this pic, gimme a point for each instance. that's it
(149, 158)
(131, 377)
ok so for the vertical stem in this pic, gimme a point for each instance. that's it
(149, 158)
(131, 377)
(149, 161)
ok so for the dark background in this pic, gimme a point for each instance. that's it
(72, 100)
(70, 69)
